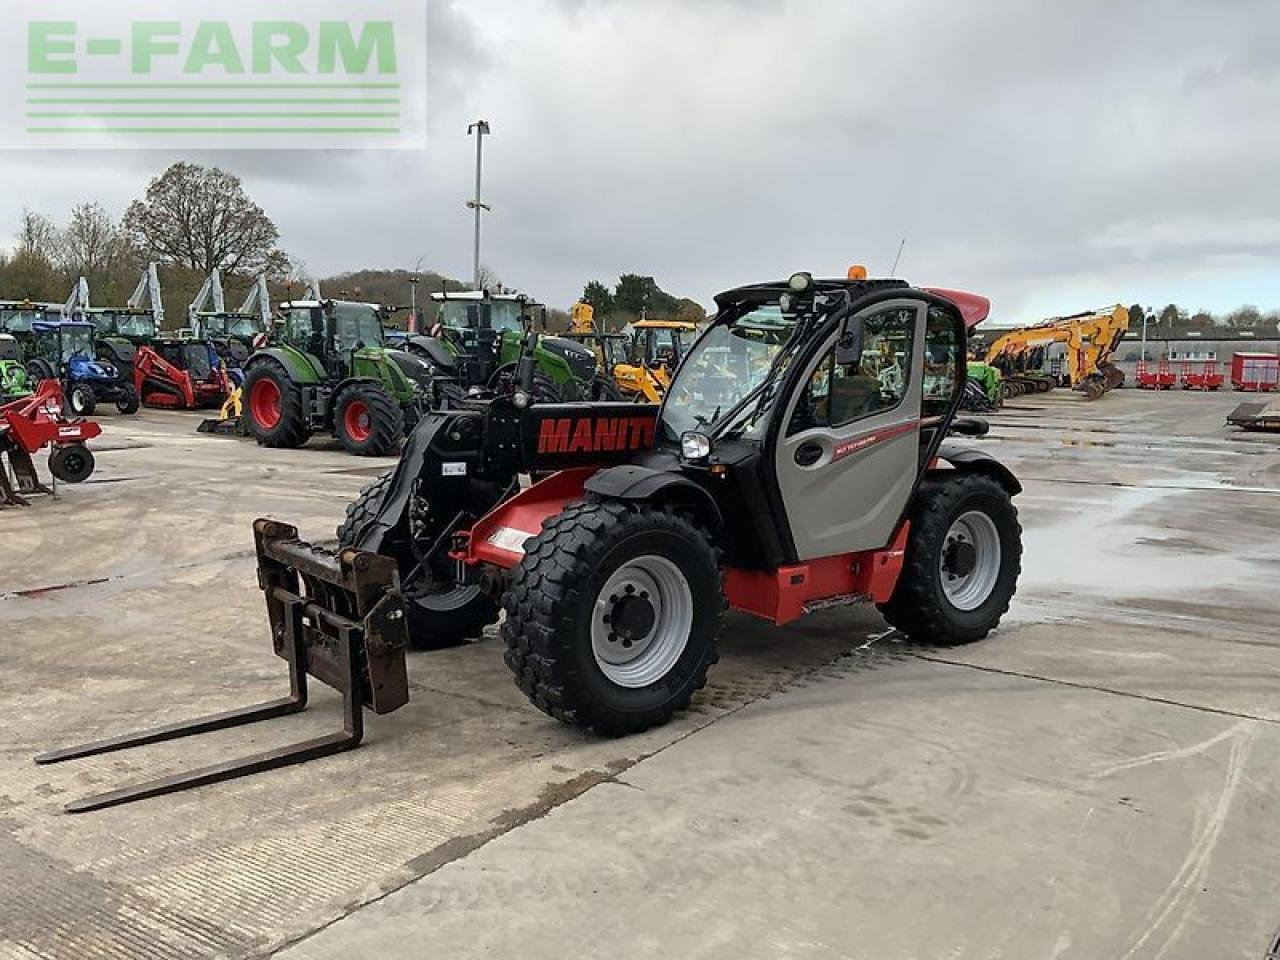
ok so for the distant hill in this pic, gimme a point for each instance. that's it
(387, 287)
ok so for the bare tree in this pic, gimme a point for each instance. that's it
(36, 234)
(489, 279)
(94, 246)
(202, 219)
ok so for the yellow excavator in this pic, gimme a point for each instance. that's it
(1091, 340)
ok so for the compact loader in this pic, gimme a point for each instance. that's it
(800, 461)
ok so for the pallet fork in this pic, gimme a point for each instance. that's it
(358, 651)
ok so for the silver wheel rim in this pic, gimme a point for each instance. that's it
(643, 659)
(968, 589)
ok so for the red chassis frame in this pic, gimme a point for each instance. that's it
(780, 596)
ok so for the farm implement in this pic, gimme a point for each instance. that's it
(801, 460)
(28, 425)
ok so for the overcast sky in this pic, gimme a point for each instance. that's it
(1053, 156)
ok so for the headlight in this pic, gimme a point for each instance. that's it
(695, 446)
(801, 282)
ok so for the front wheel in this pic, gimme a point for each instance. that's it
(71, 464)
(81, 400)
(612, 616)
(273, 411)
(441, 613)
(964, 556)
(367, 421)
(127, 400)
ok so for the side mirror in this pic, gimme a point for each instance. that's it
(849, 346)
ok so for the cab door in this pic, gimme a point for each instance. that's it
(848, 453)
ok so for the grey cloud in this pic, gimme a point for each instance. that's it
(1019, 146)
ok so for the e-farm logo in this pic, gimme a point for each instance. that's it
(218, 74)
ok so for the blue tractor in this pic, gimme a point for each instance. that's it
(65, 351)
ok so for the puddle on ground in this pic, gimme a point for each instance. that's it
(1107, 546)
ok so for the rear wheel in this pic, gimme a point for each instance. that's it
(441, 613)
(964, 555)
(367, 421)
(72, 463)
(612, 616)
(127, 401)
(273, 410)
(81, 400)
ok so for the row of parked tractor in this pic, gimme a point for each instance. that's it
(315, 365)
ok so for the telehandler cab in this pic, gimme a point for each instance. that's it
(799, 461)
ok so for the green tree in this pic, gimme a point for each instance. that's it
(1135, 315)
(30, 273)
(201, 218)
(601, 300)
(1201, 320)
(1169, 316)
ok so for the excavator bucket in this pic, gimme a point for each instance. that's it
(336, 617)
(230, 419)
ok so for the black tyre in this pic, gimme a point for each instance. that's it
(612, 616)
(71, 464)
(273, 411)
(40, 369)
(81, 400)
(546, 390)
(604, 390)
(367, 421)
(964, 556)
(446, 615)
(127, 400)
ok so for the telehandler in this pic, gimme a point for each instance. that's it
(800, 461)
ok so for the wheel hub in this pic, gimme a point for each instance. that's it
(961, 557)
(633, 617)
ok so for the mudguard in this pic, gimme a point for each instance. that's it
(302, 367)
(979, 461)
(634, 483)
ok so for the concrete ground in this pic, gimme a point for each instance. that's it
(1096, 780)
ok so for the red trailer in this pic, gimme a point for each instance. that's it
(1206, 377)
(1163, 379)
(1255, 372)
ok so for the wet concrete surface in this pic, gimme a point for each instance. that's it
(1095, 780)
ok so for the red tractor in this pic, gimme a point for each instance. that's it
(801, 460)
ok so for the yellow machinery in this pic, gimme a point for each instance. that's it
(657, 347)
(1091, 339)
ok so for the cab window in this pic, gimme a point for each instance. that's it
(941, 362)
(840, 394)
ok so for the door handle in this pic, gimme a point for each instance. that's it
(808, 454)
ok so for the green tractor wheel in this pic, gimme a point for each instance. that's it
(273, 411)
(367, 421)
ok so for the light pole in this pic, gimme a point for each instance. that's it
(1148, 316)
(481, 130)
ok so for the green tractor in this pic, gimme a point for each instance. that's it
(985, 391)
(14, 383)
(476, 339)
(330, 371)
(17, 318)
